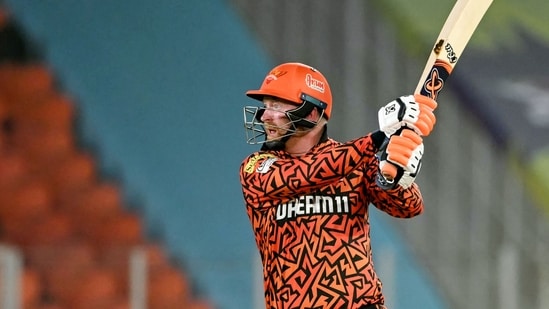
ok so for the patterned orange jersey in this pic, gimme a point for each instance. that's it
(310, 219)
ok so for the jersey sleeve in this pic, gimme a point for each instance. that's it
(268, 180)
(398, 202)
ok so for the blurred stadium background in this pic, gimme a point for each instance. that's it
(122, 135)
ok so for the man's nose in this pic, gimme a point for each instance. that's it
(265, 114)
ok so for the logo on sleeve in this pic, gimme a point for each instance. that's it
(263, 167)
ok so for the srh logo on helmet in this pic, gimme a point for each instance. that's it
(313, 83)
(274, 75)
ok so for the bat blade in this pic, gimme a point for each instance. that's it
(456, 32)
(458, 29)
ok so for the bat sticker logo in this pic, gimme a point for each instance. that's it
(452, 57)
(438, 47)
(434, 83)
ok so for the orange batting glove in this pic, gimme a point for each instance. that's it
(400, 160)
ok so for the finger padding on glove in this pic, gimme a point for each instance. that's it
(405, 150)
(426, 119)
(426, 101)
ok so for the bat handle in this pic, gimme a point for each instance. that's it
(389, 171)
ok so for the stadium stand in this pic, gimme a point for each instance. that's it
(72, 225)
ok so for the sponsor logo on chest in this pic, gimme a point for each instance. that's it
(308, 205)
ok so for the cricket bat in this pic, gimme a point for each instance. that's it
(448, 48)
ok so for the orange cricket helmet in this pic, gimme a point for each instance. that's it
(298, 83)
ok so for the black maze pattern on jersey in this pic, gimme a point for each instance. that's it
(320, 261)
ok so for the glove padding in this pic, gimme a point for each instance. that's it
(413, 111)
(404, 151)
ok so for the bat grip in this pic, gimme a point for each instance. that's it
(389, 171)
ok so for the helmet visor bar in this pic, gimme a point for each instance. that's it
(255, 132)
